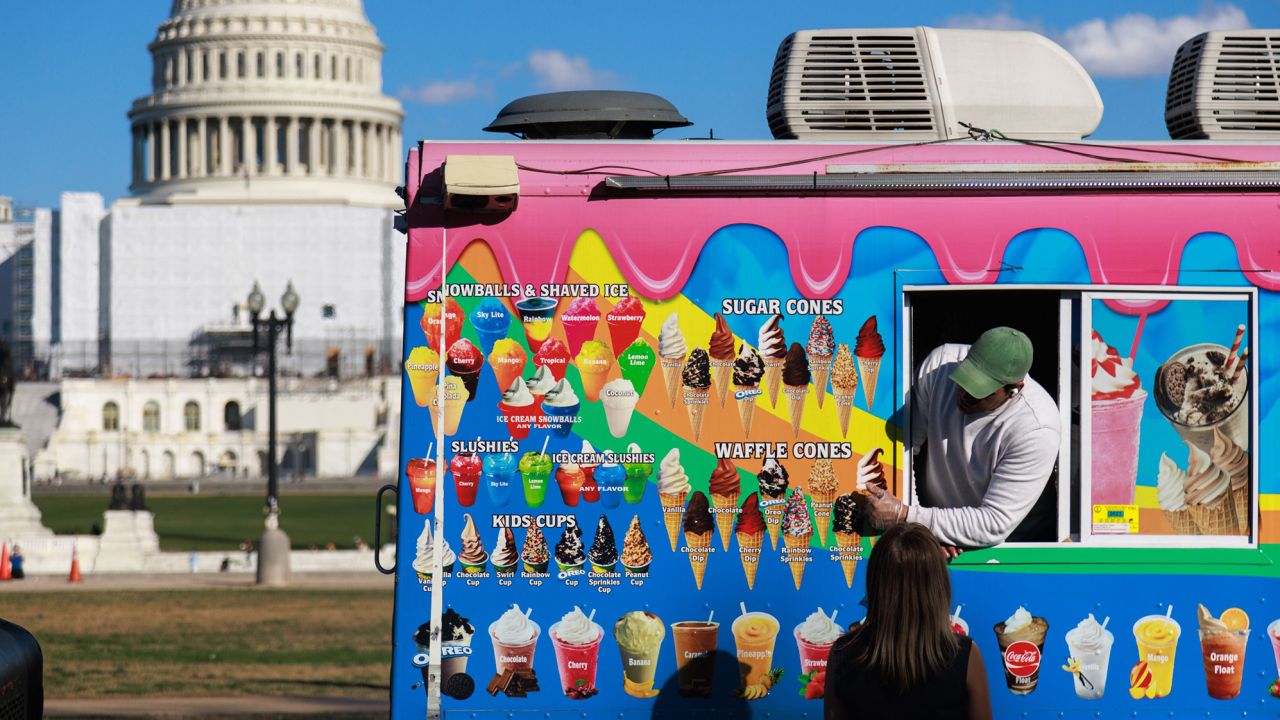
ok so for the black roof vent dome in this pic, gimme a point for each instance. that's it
(588, 115)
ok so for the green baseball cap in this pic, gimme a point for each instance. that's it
(1002, 356)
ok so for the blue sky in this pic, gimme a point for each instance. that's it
(71, 68)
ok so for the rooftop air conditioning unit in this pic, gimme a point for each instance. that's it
(921, 83)
(1225, 85)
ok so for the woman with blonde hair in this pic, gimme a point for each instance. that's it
(903, 661)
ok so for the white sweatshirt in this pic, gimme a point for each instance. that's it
(985, 471)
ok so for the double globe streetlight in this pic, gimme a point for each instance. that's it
(273, 547)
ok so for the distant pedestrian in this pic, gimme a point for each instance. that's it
(904, 661)
(195, 562)
(226, 564)
(15, 564)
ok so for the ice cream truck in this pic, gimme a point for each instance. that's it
(639, 375)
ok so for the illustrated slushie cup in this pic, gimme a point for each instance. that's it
(1116, 413)
(814, 638)
(422, 482)
(637, 477)
(754, 635)
(1089, 644)
(695, 656)
(515, 638)
(577, 644)
(423, 368)
(449, 314)
(536, 317)
(569, 477)
(501, 473)
(1222, 645)
(535, 471)
(1157, 638)
(639, 635)
(610, 477)
(466, 469)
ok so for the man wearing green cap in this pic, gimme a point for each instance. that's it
(990, 434)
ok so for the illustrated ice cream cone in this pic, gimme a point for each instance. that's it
(820, 348)
(869, 350)
(749, 545)
(848, 560)
(822, 501)
(724, 520)
(671, 368)
(746, 398)
(721, 349)
(773, 378)
(1182, 521)
(796, 395)
(821, 369)
(796, 377)
(722, 374)
(797, 550)
(844, 409)
(696, 380)
(672, 514)
(869, 368)
(698, 544)
(1219, 519)
(696, 405)
(773, 522)
(1240, 499)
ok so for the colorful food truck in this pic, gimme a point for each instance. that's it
(634, 404)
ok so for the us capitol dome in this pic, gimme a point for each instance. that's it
(276, 101)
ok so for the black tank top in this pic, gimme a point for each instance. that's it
(860, 693)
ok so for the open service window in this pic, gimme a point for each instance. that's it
(1154, 389)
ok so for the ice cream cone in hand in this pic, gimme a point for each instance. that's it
(696, 377)
(673, 488)
(820, 348)
(672, 349)
(795, 375)
(773, 349)
(698, 529)
(844, 385)
(869, 349)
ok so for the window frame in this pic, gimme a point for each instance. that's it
(1083, 294)
(188, 417)
(146, 408)
(114, 424)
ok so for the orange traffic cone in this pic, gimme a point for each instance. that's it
(74, 577)
(6, 573)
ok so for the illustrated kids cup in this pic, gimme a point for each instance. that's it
(576, 639)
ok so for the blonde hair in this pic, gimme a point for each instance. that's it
(906, 637)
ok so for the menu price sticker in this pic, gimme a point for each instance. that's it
(1115, 519)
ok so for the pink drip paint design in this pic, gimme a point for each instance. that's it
(1126, 239)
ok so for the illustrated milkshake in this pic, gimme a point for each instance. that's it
(515, 638)
(1222, 645)
(1089, 645)
(754, 635)
(1021, 639)
(639, 635)
(814, 638)
(1116, 412)
(695, 656)
(422, 483)
(576, 640)
(1273, 634)
(1157, 638)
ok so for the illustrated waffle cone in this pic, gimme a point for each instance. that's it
(869, 368)
(697, 414)
(1182, 521)
(797, 544)
(773, 378)
(672, 515)
(821, 370)
(750, 560)
(698, 560)
(672, 367)
(773, 522)
(723, 377)
(725, 520)
(795, 399)
(1240, 498)
(746, 409)
(1218, 519)
(844, 407)
(848, 563)
(822, 502)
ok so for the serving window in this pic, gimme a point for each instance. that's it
(1155, 390)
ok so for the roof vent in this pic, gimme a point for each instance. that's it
(1225, 85)
(921, 83)
(588, 115)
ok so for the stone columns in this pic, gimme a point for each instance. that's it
(201, 166)
(149, 158)
(250, 155)
(182, 146)
(291, 146)
(357, 142)
(164, 150)
(313, 147)
(271, 148)
(224, 145)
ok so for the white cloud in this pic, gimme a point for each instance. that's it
(1132, 45)
(557, 71)
(441, 92)
(1137, 44)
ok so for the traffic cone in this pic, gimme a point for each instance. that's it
(6, 573)
(74, 577)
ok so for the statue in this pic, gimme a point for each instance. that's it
(139, 500)
(119, 497)
(7, 384)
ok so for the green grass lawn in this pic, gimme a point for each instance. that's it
(222, 522)
(209, 642)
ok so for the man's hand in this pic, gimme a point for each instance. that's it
(951, 552)
(883, 508)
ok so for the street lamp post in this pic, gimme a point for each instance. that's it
(273, 548)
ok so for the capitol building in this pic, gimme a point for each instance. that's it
(265, 152)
